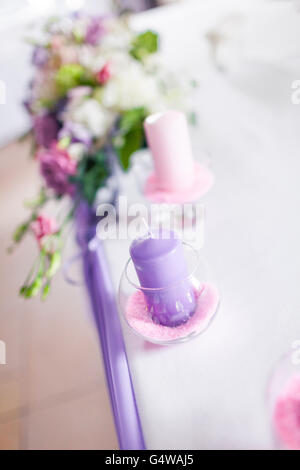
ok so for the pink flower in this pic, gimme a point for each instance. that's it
(42, 227)
(104, 74)
(56, 167)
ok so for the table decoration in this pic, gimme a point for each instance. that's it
(159, 261)
(176, 178)
(164, 294)
(102, 297)
(95, 82)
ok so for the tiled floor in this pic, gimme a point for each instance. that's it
(52, 389)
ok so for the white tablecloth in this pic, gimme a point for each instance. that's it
(211, 393)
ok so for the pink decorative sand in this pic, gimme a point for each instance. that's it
(204, 180)
(140, 320)
(287, 414)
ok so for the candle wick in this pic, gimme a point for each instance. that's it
(145, 224)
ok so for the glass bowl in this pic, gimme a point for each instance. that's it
(189, 305)
(284, 401)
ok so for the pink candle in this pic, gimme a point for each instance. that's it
(169, 141)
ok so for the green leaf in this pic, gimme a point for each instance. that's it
(46, 290)
(22, 291)
(55, 261)
(20, 232)
(131, 135)
(46, 103)
(33, 289)
(71, 75)
(144, 44)
(133, 141)
(92, 173)
(39, 201)
(131, 118)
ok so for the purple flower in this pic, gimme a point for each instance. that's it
(56, 167)
(77, 133)
(40, 56)
(60, 106)
(45, 130)
(95, 31)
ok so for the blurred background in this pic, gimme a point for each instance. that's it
(52, 390)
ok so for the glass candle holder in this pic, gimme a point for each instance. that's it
(284, 402)
(144, 309)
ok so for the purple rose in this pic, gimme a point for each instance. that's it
(95, 31)
(45, 130)
(56, 167)
(40, 56)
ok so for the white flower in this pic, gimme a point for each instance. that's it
(77, 150)
(91, 58)
(94, 58)
(131, 88)
(90, 114)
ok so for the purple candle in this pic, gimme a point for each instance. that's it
(160, 265)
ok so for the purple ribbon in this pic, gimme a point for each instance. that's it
(102, 295)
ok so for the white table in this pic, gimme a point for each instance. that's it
(211, 393)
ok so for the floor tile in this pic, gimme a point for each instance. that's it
(10, 435)
(83, 423)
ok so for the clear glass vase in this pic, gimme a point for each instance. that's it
(170, 314)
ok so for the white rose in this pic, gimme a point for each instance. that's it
(91, 58)
(131, 88)
(77, 150)
(91, 114)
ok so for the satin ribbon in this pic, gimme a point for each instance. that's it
(102, 297)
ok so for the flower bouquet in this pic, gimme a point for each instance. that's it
(95, 81)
